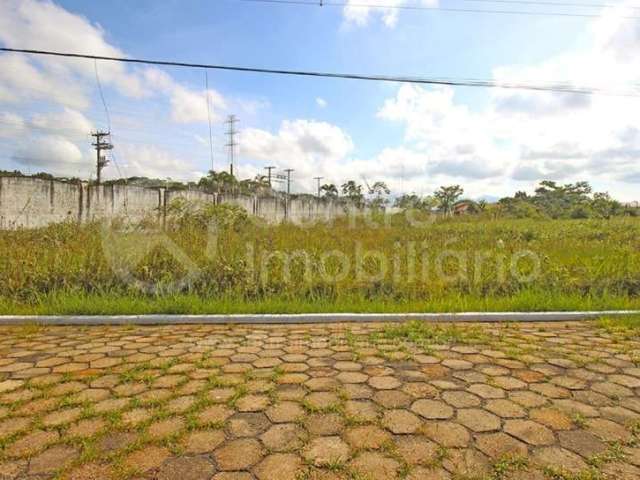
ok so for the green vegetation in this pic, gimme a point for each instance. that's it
(376, 264)
(626, 324)
(563, 201)
(421, 333)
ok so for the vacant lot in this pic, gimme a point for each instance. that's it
(395, 264)
(478, 402)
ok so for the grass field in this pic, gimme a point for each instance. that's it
(462, 264)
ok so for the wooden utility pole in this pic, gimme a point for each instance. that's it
(318, 180)
(268, 169)
(232, 132)
(101, 144)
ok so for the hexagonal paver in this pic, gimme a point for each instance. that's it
(558, 458)
(165, 428)
(478, 420)
(384, 383)
(326, 451)
(324, 424)
(459, 399)
(375, 466)
(432, 409)
(505, 408)
(447, 434)
(181, 468)
(249, 402)
(202, 441)
(499, 445)
(529, 432)
(400, 421)
(253, 403)
(147, 459)
(215, 414)
(366, 437)
(247, 424)
(361, 410)
(416, 449)
(53, 459)
(551, 418)
(284, 437)
(279, 466)
(284, 412)
(238, 454)
(581, 442)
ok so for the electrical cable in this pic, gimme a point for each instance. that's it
(351, 76)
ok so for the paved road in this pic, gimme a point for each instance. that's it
(527, 402)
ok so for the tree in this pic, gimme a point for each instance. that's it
(380, 191)
(604, 206)
(411, 201)
(571, 200)
(329, 190)
(218, 182)
(447, 197)
(353, 192)
(563, 201)
(258, 185)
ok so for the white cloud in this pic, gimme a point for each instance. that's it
(11, 125)
(297, 143)
(188, 106)
(308, 146)
(153, 162)
(66, 119)
(32, 24)
(321, 102)
(21, 80)
(53, 154)
(525, 136)
(359, 14)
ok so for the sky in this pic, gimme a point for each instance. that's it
(415, 138)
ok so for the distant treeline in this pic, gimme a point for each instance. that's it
(549, 200)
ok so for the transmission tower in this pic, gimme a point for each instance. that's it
(101, 144)
(231, 132)
(289, 170)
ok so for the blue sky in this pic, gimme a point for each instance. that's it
(414, 138)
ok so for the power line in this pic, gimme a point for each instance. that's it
(561, 88)
(106, 111)
(206, 83)
(557, 4)
(450, 9)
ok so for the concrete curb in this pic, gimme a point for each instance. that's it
(306, 318)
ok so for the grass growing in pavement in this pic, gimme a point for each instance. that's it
(424, 333)
(452, 265)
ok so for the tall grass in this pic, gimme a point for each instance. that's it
(450, 265)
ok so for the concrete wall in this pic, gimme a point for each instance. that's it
(32, 202)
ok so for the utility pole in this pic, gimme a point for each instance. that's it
(318, 179)
(289, 170)
(268, 169)
(101, 145)
(231, 132)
